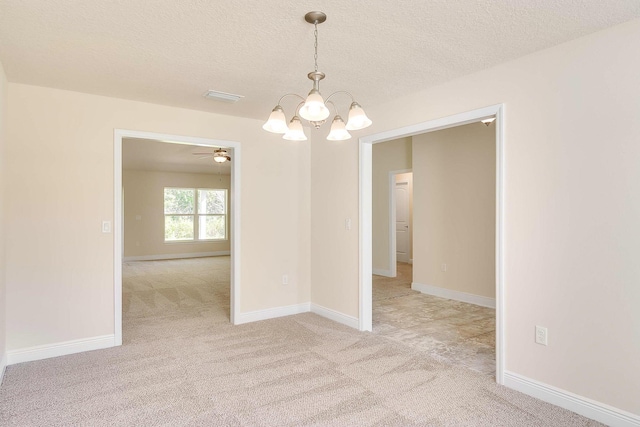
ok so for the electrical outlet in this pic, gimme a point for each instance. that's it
(443, 267)
(541, 335)
(285, 279)
(106, 226)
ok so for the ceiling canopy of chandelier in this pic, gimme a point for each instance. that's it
(314, 108)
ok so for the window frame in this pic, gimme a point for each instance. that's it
(196, 216)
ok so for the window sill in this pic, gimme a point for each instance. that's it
(191, 242)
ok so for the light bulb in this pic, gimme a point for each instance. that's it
(357, 118)
(338, 132)
(314, 109)
(295, 132)
(277, 122)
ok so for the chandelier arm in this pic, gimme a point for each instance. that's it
(334, 106)
(340, 91)
(289, 94)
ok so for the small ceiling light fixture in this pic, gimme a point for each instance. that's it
(488, 120)
(314, 108)
(222, 96)
(221, 156)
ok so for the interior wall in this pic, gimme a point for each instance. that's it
(59, 271)
(454, 172)
(3, 304)
(572, 203)
(389, 156)
(144, 212)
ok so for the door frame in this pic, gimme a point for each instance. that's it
(393, 258)
(118, 222)
(365, 213)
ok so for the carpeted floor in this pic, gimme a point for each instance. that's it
(183, 364)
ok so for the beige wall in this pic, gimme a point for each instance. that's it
(334, 199)
(60, 266)
(454, 201)
(572, 203)
(3, 125)
(143, 197)
(388, 156)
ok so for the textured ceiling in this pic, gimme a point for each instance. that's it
(151, 155)
(170, 52)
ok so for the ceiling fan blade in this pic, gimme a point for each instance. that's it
(202, 154)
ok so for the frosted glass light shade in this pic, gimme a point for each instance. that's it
(277, 122)
(357, 118)
(295, 132)
(338, 132)
(314, 109)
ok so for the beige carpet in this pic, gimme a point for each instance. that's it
(183, 364)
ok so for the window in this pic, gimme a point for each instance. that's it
(192, 214)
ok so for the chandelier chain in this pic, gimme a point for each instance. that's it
(315, 55)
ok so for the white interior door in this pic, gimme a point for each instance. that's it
(403, 227)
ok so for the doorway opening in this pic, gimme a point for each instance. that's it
(366, 217)
(401, 208)
(230, 220)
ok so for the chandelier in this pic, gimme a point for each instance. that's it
(314, 108)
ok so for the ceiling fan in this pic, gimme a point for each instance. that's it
(219, 156)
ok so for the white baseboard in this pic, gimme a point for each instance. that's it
(380, 272)
(271, 313)
(581, 405)
(336, 316)
(3, 366)
(454, 295)
(59, 349)
(175, 256)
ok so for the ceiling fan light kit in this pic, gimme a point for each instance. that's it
(220, 155)
(314, 108)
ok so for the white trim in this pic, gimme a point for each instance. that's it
(381, 272)
(47, 351)
(365, 211)
(365, 236)
(118, 250)
(336, 316)
(454, 295)
(3, 366)
(271, 313)
(501, 355)
(175, 256)
(118, 235)
(581, 405)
